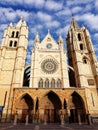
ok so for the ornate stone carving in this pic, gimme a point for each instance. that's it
(49, 66)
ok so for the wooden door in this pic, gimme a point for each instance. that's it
(52, 115)
(24, 113)
(73, 116)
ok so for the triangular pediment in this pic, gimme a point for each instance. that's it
(48, 42)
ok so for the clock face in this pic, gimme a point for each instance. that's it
(49, 45)
(49, 66)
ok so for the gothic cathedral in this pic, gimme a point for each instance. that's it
(50, 86)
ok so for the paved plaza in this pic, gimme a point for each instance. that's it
(6, 126)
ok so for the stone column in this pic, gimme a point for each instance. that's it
(38, 115)
(45, 119)
(62, 118)
(27, 119)
(15, 119)
(34, 112)
(79, 118)
(89, 119)
(68, 113)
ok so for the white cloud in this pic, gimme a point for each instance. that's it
(8, 14)
(36, 3)
(87, 8)
(65, 12)
(95, 48)
(24, 14)
(44, 17)
(36, 29)
(48, 4)
(52, 5)
(52, 24)
(76, 9)
(63, 31)
(31, 42)
(3, 26)
(4, 13)
(96, 36)
(46, 20)
(96, 4)
(78, 2)
(90, 19)
(11, 2)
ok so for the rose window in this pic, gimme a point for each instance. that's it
(49, 66)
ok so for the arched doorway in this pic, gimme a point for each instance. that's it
(25, 106)
(77, 109)
(50, 106)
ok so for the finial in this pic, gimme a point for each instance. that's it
(36, 33)
(37, 37)
(60, 39)
(74, 23)
(19, 24)
(48, 31)
(21, 18)
(11, 24)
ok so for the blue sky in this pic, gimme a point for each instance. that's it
(55, 15)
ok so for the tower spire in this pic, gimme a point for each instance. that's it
(37, 38)
(60, 40)
(74, 23)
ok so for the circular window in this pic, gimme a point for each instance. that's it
(49, 45)
(49, 66)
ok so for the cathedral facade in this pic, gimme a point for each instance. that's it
(50, 87)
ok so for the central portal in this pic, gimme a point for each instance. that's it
(50, 106)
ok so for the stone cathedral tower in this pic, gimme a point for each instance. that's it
(49, 88)
(12, 62)
(81, 57)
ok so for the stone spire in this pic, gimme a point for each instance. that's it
(36, 38)
(60, 40)
(74, 23)
(20, 22)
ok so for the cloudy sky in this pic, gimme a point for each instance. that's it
(55, 15)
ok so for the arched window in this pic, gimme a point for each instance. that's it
(40, 85)
(79, 36)
(15, 43)
(11, 43)
(47, 83)
(26, 79)
(85, 60)
(13, 33)
(81, 47)
(53, 83)
(59, 83)
(17, 34)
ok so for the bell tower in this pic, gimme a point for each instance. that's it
(81, 57)
(13, 53)
(12, 61)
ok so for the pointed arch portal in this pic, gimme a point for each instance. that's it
(25, 106)
(50, 105)
(77, 108)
